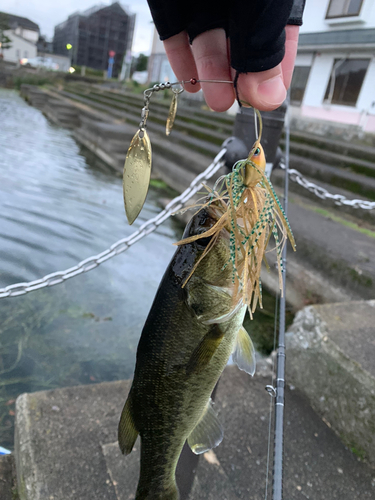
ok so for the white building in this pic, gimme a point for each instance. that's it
(20, 48)
(159, 69)
(24, 35)
(334, 77)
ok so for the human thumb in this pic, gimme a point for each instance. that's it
(264, 90)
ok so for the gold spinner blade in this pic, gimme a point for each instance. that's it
(137, 173)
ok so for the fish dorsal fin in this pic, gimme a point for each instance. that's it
(208, 433)
(244, 352)
(127, 433)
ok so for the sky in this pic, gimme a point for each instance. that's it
(47, 14)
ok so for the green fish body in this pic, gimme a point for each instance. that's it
(185, 345)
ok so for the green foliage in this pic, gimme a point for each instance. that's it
(32, 79)
(261, 328)
(135, 87)
(89, 71)
(5, 41)
(142, 63)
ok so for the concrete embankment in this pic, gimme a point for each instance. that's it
(335, 256)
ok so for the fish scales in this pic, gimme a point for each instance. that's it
(179, 359)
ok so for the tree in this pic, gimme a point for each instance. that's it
(142, 63)
(5, 41)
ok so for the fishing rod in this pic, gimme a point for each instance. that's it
(277, 493)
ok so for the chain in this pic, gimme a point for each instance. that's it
(148, 227)
(121, 245)
(322, 193)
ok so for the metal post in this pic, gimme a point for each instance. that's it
(280, 374)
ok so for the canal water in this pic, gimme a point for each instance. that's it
(57, 208)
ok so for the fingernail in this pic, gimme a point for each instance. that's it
(272, 92)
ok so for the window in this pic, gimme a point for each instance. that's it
(298, 85)
(346, 80)
(343, 8)
(18, 54)
(25, 53)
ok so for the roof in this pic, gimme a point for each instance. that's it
(338, 39)
(24, 40)
(15, 21)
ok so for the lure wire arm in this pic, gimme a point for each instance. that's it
(168, 85)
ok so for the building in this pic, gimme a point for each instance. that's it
(93, 34)
(159, 68)
(44, 46)
(334, 76)
(24, 35)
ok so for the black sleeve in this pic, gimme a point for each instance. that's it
(297, 12)
(255, 27)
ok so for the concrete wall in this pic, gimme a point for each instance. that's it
(20, 48)
(315, 13)
(30, 35)
(321, 63)
(62, 61)
(313, 106)
(159, 69)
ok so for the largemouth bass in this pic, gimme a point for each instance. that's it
(189, 335)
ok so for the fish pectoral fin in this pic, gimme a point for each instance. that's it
(127, 433)
(205, 350)
(208, 433)
(244, 352)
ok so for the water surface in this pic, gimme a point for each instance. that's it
(57, 208)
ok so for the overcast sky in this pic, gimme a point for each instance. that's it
(47, 14)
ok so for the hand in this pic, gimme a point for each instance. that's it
(208, 58)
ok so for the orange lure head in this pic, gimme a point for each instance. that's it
(257, 158)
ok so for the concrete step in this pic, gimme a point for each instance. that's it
(335, 176)
(347, 148)
(66, 447)
(344, 254)
(331, 352)
(198, 145)
(356, 183)
(206, 119)
(326, 144)
(109, 141)
(188, 115)
(206, 115)
(359, 216)
(212, 136)
(335, 255)
(160, 116)
(345, 161)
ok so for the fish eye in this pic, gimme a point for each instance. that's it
(257, 152)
